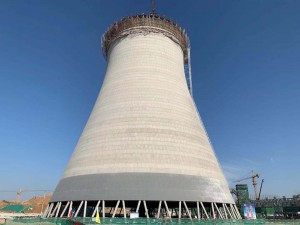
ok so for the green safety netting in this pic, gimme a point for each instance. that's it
(15, 208)
(119, 221)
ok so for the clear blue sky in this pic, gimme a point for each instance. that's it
(246, 77)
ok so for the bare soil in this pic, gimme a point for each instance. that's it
(38, 203)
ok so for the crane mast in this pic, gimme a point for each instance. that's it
(19, 194)
(261, 184)
(254, 183)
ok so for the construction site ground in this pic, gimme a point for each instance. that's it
(38, 204)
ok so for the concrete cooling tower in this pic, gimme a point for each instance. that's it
(144, 148)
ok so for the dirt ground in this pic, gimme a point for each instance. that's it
(38, 203)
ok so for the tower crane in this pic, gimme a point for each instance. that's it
(19, 194)
(261, 184)
(254, 183)
(24, 190)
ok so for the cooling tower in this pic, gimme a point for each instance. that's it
(144, 148)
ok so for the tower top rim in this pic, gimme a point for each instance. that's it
(145, 23)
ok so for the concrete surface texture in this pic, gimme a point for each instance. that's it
(144, 138)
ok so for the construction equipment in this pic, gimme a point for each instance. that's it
(254, 183)
(24, 190)
(261, 184)
(233, 191)
(19, 194)
(153, 8)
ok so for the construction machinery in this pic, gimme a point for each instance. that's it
(19, 194)
(261, 184)
(24, 190)
(254, 183)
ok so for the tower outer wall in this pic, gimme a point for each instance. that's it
(144, 139)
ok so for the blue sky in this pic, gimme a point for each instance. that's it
(245, 63)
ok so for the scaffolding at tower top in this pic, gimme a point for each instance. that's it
(144, 24)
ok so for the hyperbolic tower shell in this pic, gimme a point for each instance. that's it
(144, 140)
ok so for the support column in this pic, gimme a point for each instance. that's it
(57, 212)
(146, 209)
(219, 211)
(124, 208)
(50, 210)
(84, 209)
(138, 206)
(237, 212)
(198, 211)
(70, 209)
(179, 213)
(224, 211)
(167, 208)
(52, 214)
(159, 207)
(63, 212)
(187, 210)
(46, 211)
(103, 209)
(79, 207)
(233, 212)
(96, 208)
(213, 210)
(207, 217)
(118, 202)
(229, 212)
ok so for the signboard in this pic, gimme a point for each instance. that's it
(134, 215)
(249, 211)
